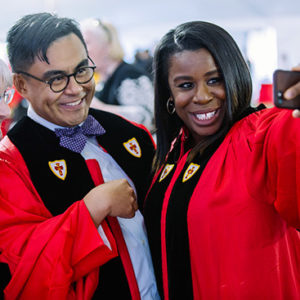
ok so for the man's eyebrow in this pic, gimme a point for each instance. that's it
(52, 73)
(84, 62)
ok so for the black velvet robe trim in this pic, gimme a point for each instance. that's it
(177, 244)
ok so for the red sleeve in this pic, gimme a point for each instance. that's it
(276, 165)
(46, 254)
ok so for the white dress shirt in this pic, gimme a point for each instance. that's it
(133, 229)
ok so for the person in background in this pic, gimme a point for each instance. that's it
(123, 88)
(144, 60)
(71, 177)
(6, 91)
(222, 212)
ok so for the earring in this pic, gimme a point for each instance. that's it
(170, 106)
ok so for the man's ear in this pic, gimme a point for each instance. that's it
(21, 85)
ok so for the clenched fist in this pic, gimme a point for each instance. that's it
(115, 198)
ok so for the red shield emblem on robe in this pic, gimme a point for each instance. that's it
(133, 147)
(190, 171)
(167, 169)
(59, 168)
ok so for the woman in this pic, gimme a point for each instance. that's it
(6, 92)
(222, 210)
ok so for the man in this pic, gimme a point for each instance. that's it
(69, 224)
(123, 88)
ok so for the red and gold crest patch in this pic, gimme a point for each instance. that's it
(167, 169)
(59, 168)
(190, 171)
(133, 147)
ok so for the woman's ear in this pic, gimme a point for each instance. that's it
(20, 85)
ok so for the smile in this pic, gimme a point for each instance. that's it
(74, 103)
(206, 116)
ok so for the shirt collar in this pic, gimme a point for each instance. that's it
(40, 120)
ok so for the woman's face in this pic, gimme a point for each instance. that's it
(198, 91)
(4, 108)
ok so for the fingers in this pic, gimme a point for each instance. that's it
(296, 68)
(296, 113)
(292, 92)
(133, 195)
(133, 207)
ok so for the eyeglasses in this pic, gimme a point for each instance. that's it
(60, 82)
(7, 96)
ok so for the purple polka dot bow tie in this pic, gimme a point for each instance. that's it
(75, 138)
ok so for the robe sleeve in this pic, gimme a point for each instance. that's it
(48, 256)
(276, 163)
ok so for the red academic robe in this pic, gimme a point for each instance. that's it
(58, 256)
(48, 260)
(241, 217)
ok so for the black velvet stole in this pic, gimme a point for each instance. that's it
(152, 214)
(177, 243)
(39, 145)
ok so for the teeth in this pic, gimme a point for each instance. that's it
(206, 116)
(74, 103)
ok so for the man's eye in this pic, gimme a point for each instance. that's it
(57, 79)
(81, 71)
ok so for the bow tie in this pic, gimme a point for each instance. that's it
(75, 138)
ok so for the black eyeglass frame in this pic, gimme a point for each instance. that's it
(67, 76)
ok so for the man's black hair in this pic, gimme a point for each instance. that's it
(33, 34)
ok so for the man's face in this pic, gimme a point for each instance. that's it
(69, 107)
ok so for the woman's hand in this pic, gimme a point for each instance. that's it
(292, 92)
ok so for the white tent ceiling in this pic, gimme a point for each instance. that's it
(138, 13)
(141, 23)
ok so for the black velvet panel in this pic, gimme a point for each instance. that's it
(120, 131)
(39, 145)
(177, 242)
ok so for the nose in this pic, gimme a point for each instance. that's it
(203, 94)
(73, 86)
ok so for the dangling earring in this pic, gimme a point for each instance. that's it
(170, 106)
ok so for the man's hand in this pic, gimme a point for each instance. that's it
(115, 198)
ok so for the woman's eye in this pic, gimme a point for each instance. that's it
(214, 80)
(186, 85)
